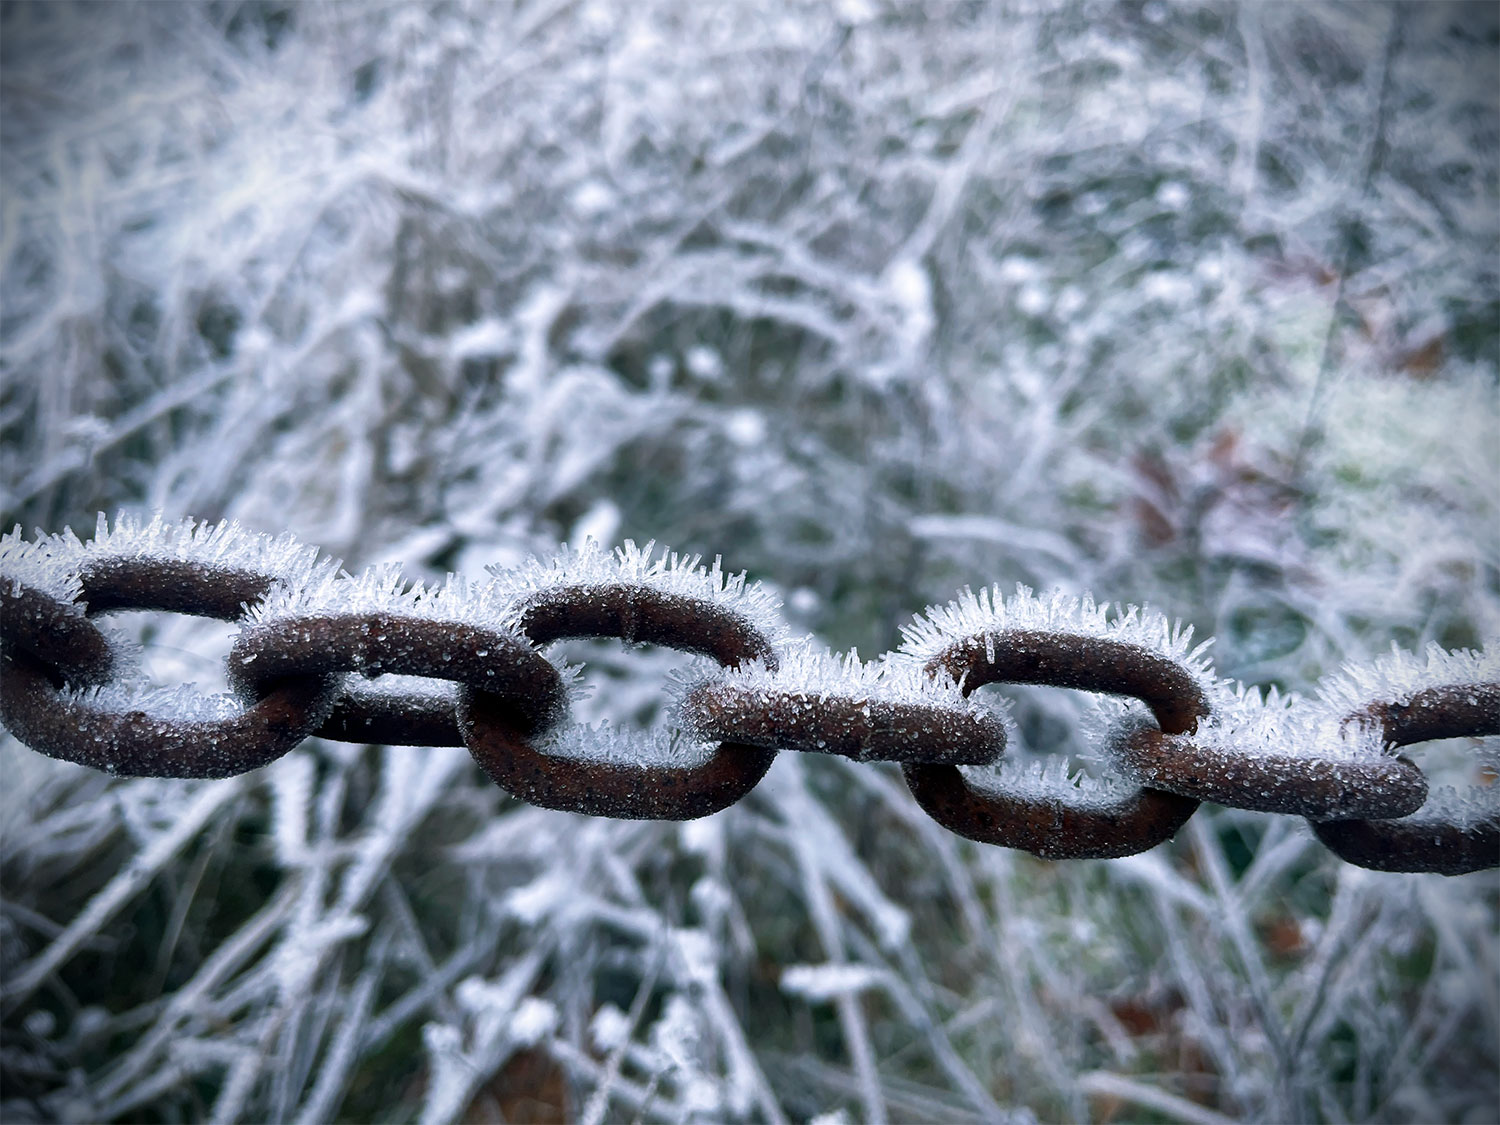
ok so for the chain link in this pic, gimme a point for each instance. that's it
(1423, 842)
(507, 749)
(1058, 824)
(311, 639)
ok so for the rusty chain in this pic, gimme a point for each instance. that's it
(313, 641)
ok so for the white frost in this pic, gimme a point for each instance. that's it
(610, 1028)
(534, 1020)
(604, 742)
(828, 981)
(695, 959)
(1465, 807)
(677, 1034)
(818, 674)
(1274, 725)
(383, 589)
(401, 692)
(812, 676)
(38, 565)
(1398, 675)
(549, 893)
(1047, 780)
(180, 703)
(225, 544)
(992, 615)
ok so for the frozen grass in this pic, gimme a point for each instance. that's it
(1186, 304)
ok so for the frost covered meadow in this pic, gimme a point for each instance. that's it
(1192, 304)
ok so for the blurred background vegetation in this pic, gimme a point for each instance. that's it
(1187, 303)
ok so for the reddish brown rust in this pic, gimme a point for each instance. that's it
(626, 790)
(56, 634)
(867, 730)
(171, 585)
(643, 615)
(1414, 844)
(292, 677)
(375, 643)
(380, 718)
(134, 743)
(1089, 663)
(1420, 843)
(500, 742)
(1320, 788)
(1449, 711)
(1063, 827)
(137, 744)
(1051, 829)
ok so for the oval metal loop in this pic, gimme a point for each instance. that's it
(172, 585)
(1413, 844)
(1062, 828)
(56, 634)
(133, 742)
(501, 742)
(1318, 788)
(625, 792)
(643, 615)
(866, 730)
(1069, 660)
(1421, 843)
(374, 643)
(1449, 711)
(1049, 828)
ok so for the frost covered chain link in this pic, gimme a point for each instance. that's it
(315, 643)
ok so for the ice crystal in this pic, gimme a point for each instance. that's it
(38, 565)
(1465, 807)
(226, 544)
(695, 960)
(496, 1001)
(610, 1028)
(817, 674)
(183, 703)
(824, 982)
(991, 614)
(396, 690)
(292, 780)
(1247, 722)
(677, 1034)
(1049, 780)
(1398, 675)
(383, 589)
(534, 1020)
(550, 893)
(606, 742)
